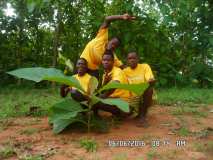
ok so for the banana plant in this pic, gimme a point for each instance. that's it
(69, 111)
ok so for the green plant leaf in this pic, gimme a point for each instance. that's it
(65, 113)
(70, 81)
(94, 99)
(65, 61)
(35, 74)
(31, 5)
(60, 124)
(38, 74)
(121, 104)
(93, 84)
(65, 109)
(136, 88)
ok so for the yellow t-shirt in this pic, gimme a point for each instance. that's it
(118, 75)
(95, 49)
(141, 74)
(83, 80)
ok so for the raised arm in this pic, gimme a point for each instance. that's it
(109, 19)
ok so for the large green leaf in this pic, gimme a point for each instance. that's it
(65, 109)
(136, 88)
(35, 74)
(71, 81)
(92, 86)
(38, 74)
(121, 104)
(65, 113)
(60, 124)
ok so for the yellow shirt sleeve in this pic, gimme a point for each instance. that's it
(102, 34)
(94, 50)
(117, 62)
(148, 73)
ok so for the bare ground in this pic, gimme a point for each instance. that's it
(34, 136)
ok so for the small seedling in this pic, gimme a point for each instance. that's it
(183, 131)
(89, 144)
(152, 155)
(7, 152)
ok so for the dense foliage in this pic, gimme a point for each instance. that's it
(174, 37)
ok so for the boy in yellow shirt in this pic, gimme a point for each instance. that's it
(83, 77)
(112, 73)
(94, 50)
(140, 73)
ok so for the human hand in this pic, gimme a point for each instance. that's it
(126, 16)
(107, 78)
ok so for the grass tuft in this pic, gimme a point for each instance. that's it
(7, 152)
(89, 144)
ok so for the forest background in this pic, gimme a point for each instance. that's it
(174, 37)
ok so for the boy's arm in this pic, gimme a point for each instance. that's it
(109, 19)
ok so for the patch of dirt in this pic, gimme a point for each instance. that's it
(162, 140)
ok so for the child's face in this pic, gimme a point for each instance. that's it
(132, 60)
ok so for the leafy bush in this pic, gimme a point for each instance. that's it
(68, 111)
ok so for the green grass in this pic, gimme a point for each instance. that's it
(18, 101)
(29, 131)
(6, 152)
(32, 157)
(184, 95)
(203, 147)
(152, 155)
(5, 123)
(181, 110)
(89, 144)
(183, 131)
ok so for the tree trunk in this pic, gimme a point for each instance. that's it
(20, 37)
(56, 41)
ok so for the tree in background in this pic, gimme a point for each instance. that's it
(174, 37)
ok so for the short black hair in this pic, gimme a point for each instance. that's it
(133, 52)
(83, 60)
(119, 40)
(110, 53)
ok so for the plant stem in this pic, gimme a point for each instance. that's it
(89, 119)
